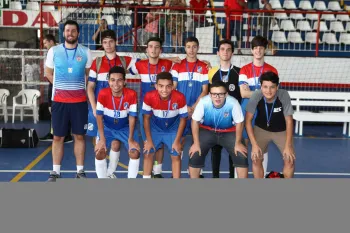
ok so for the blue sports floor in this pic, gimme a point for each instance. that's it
(323, 152)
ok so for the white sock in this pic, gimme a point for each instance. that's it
(265, 163)
(201, 172)
(101, 168)
(182, 154)
(113, 162)
(146, 177)
(236, 176)
(79, 168)
(133, 168)
(57, 169)
(157, 169)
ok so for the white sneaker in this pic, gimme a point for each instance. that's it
(112, 176)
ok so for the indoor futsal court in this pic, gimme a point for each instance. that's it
(322, 152)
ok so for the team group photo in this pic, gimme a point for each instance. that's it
(225, 108)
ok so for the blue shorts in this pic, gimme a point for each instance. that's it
(92, 124)
(142, 129)
(64, 113)
(166, 138)
(120, 135)
(243, 105)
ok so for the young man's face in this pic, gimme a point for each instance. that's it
(153, 49)
(48, 44)
(225, 52)
(108, 45)
(218, 96)
(71, 34)
(164, 88)
(116, 82)
(258, 52)
(191, 49)
(269, 89)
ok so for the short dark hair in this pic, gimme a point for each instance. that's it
(218, 84)
(108, 34)
(156, 39)
(270, 76)
(259, 41)
(164, 75)
(50, 37)
(117, 70)
(71, 22)
(226, 41)
(192, 39)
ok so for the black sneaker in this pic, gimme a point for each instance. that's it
(53, 176)
(68, 139)
(47, 137)
(201, 176)
(158, 176)
(80, 175)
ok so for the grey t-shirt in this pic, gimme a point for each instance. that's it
(282, 108)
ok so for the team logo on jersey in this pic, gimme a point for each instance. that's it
(174, 106)
(232, 87)
(126, 105)
(226, 114)
(277, 109)
(163, 68)
(153, 78)
(199, 69)
(79, 58)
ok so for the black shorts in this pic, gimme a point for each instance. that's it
(208, 139)
(49, 94)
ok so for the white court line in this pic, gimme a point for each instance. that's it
(168, 172)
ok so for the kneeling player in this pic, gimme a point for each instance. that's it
(273, 123)
(116, 112)
(164, 115)
(216, 117)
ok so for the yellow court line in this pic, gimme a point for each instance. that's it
(31, 165)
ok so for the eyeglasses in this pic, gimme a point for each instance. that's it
(216, 95)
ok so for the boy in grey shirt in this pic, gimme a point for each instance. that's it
(273, 123)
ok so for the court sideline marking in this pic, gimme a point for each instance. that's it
(31, 165)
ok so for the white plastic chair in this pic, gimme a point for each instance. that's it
(337, 27)
(289, 4)
(304, 26)
(344, 38)
(4, 93)
(29, 101)
(276, 4)
(305, 5)
(295, 37)
(287, 25)
(334, 6)
(330, 38)
(34, 6)
(279, 37)
(311, 37)
(320, 6)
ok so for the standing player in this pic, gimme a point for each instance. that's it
(116, 119)
(164, 115)
(71, 62)
(227, 73)
(50, 41)
(215, 119)
(249, 77)
(273, 123)
(98, 79)
(148, 70)
(191, 79)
